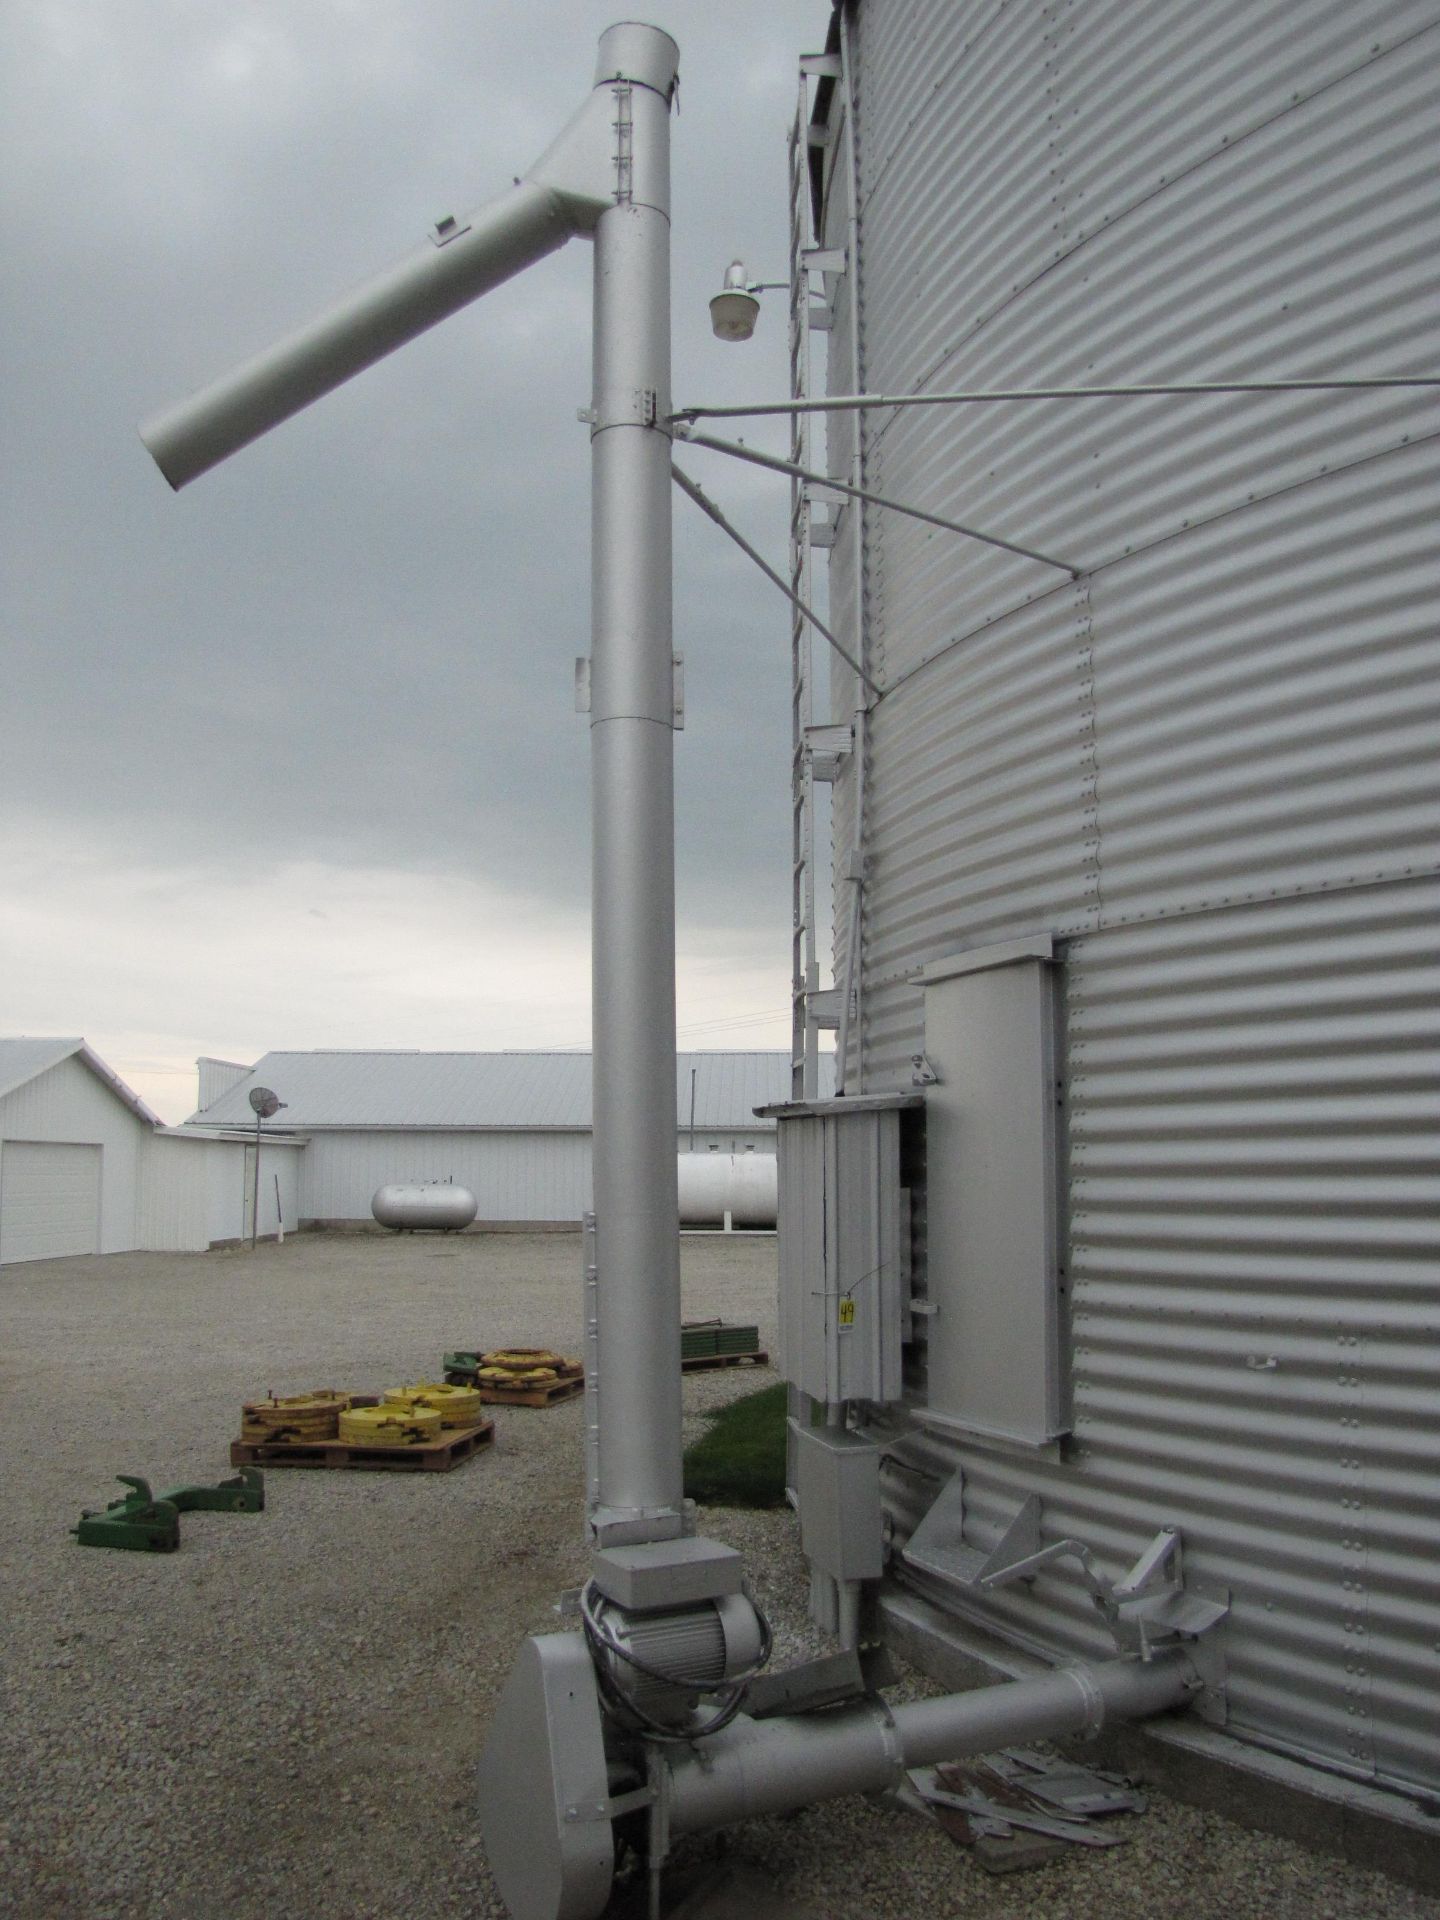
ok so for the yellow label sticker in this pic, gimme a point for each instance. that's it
(847, 1313)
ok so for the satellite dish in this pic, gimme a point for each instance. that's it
(265, 1102)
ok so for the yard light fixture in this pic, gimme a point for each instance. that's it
(734, 310)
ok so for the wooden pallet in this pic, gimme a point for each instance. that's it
(455, 1445)
(549, 1394)
(702, 1362)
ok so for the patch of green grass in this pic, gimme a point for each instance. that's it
(740, 1462)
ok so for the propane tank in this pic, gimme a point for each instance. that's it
(744, 1185)
(432, 1205)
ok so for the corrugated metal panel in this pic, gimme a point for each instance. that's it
(1267, 694)
(216, 1077)
(325, 1089)
(958, 172)
(980, 813)
(998, 139)
(1260, 566)
(1314, 245)
(172, 1209)
(442, 1090)
(1255, 1273)
(23, 1057)
(195, 1191)
(541, 1174)
(1098, 195)
(535, 1176)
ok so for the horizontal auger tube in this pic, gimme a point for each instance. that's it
(489, 246)
(756, 1768)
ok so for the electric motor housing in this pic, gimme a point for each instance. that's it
(683, 1652)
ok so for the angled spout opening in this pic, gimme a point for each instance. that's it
(561, 195)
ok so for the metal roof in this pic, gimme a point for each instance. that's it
(500, 1090)
(24, 1057)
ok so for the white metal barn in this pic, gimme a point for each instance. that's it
(1137, 839)
(514, 1128)
(86, 1167)
(72, 1139)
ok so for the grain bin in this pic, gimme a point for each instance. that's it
(1135, 854)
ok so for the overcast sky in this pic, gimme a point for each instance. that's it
(291, 759)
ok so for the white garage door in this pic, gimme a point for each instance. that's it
(49, 1200)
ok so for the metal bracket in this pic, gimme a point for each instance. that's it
(1150, 1607)
(937, 1546)
(616, 1805)
(821, 66)
(677, 692)
(823, 259)
(822, 1008)
(807, 1688)
(447, 229)
(828, 748)
(922, 1074)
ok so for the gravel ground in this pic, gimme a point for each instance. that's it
(289, 1709)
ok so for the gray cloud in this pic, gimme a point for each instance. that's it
(354, 643)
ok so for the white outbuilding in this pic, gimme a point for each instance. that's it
(72, 1137)
(514, 1128)
(86, 1167)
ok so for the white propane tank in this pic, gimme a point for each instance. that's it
(744, 1185)
(432, 1204)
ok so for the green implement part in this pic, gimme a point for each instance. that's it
(704, 1339)
(147, 1523)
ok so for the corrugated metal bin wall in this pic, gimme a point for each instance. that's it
(1207, 766)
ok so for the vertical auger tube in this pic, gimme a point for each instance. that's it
(758, 1768)
(631, 736)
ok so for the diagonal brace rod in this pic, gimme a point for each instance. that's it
(777, 465)
(702, 500)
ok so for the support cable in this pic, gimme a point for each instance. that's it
(858, 402)
(702, 500)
